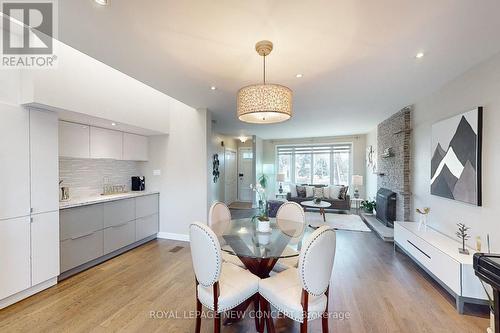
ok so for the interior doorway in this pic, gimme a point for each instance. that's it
(230, 176)
(245, 166)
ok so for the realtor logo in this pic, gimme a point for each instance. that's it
(28, 33)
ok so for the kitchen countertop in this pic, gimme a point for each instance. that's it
(77, 202)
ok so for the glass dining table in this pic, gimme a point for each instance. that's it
(259, 251)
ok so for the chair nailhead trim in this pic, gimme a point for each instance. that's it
(302, 272)
(310, 315)
(218, 269)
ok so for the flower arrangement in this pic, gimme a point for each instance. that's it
(260, 189)
(422, 221)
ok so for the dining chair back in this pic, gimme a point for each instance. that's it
(205, 253)
(316, 260)
(220, 286)
(219, 217)
(291, 211)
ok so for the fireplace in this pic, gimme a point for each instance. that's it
(386, 206)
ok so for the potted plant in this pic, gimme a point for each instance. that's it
(368, 206)
(262, 217)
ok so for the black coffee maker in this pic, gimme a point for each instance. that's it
(138, 183)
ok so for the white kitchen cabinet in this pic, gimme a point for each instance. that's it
(15, 272)
(44, 161)
(135, 147)
(74, 140)
(44, 247)
(106, 143)
(14, 162)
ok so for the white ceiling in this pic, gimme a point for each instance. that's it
(357, 56)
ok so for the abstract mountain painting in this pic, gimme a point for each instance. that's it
(456, 157)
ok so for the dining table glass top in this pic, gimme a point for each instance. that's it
(242, 238)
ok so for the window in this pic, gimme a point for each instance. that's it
(321, 170)
(315, 164)
(302, 168)
(285, 167)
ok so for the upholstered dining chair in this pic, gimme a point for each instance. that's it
(219, 218)
(220, 286)
(289, 211)
(302, 294)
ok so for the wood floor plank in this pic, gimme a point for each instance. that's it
(382, 290)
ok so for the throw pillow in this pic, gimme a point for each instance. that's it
(335, 191)
(301, 191)
(343, 192)
(309, 191)
(318, 192)
(293, 190)
(326, 192)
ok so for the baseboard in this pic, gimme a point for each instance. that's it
(27, 293)
(173, 236)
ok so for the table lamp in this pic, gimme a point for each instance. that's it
(280, 177)
(357, 180)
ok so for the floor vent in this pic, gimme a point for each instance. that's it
(176, 249)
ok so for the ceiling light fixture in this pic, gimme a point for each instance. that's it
(298, 76)
(102, 2)
(264, 103)
(419, 55)
(243, 139)
(213, 88)
(113, 124)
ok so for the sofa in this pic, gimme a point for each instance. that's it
(338, 204)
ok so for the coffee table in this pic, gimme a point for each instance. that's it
(322, 205)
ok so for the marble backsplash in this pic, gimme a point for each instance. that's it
(86, 177)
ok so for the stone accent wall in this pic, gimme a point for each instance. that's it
(395, 133)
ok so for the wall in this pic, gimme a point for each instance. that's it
(371, 178)
(358, 155)
(83, 84)
(217, 190)
(258, 161)
(480, 86)
(85, 177)
(395, 133)
(181, 157)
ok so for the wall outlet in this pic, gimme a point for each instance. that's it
(157, 172)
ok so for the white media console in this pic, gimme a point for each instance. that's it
(438, 255)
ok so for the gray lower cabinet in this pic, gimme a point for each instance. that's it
(118, 236)
(80, 221)
(91, 232)
(79, 250)
(119, 212)
(146, 226)
(146, 205)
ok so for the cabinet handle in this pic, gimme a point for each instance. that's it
(31, 220)
(119, 225)
(82, 236)
(425, 254)
(31, 210)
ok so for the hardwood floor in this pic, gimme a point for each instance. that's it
(382, 291)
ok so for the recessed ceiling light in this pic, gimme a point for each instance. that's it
(213, 87)
(419, 55)
(113, 124)
(102, 2)
(299, 76)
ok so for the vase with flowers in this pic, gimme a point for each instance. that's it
(262, 216)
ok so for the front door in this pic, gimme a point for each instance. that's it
(230, 177)
(245, 164)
